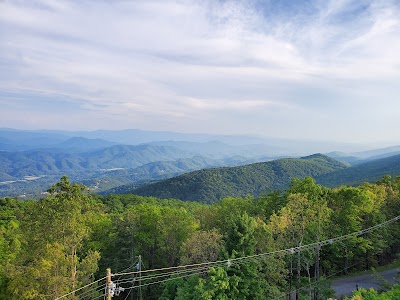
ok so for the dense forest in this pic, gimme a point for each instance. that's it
(210, 185)
(263, 247)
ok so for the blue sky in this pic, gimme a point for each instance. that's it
(323, 70)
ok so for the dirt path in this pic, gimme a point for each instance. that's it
(345, 286)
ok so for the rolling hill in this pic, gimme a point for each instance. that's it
(46, 162)
(46, 166)
(371, 171)
(125, 167)
(210, 185)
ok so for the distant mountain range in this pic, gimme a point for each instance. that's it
(370, 171)
(365, 156)
(124, 160)
(47, 162)
(17, 140)
(102, 164)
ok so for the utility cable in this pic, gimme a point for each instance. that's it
(92, 291)
(317, 282)
(283, 251)
(240, 260)
(81, 288)
(165, 280)
(237, 260)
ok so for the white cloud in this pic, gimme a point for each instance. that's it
(171, 61)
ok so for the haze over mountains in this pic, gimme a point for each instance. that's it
(124, 160)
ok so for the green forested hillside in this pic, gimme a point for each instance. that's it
(237, 248)
(210, 185)
(44, 162)
(369, 171)
(118, 166)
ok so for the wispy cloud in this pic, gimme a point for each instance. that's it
(179, 64)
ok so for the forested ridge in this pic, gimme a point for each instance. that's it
(66, 241)
(102, 169)
(210, 185)
(213, 184)
(370, 171)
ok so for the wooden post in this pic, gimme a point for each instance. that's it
(140, 277)
(108, 284)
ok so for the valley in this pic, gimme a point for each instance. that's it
(229, 165)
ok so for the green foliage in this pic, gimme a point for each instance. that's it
(104, 169)
(369, 171)
(52, 260)
(371, 294)
(65, 241)
(202, 246)
(211, 185)
(10, 240)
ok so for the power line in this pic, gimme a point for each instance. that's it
(168, 279)
(81, 288)
(206, 265)
(273, 253)
(200, 268)
(92, 291)
(316, 282)
(164, 275)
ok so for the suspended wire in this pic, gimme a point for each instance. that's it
(133, 265)
(92, 291)
(130, 291)
(273, 253)
(180, 272)
(89, 293)
(164, 275)
(81, 288)
(102, 295)
(201, 268)
(151, 276)
(207, 265)
(239, 260)
(315, 282)
(165, 280)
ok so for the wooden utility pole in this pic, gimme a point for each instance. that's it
(108, 286)
(140, 277)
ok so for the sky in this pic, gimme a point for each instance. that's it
(310, 69)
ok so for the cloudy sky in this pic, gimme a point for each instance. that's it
(317, 69)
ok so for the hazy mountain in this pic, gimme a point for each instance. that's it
(218, 150)
(94, 156)
(41, 162)
(357, 158)
(101, 169)
(269, 146)
(378, 153)
(369, 171)
(209, 185)
(80, 144)
(17, 140)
